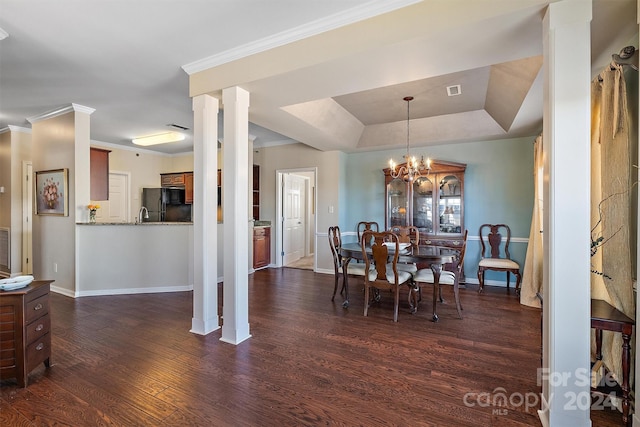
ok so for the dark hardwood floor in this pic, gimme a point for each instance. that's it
(130, 360)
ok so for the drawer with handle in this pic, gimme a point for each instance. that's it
(38, 328)
(37, 308)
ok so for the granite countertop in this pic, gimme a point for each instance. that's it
(262, 223)
(133, 223)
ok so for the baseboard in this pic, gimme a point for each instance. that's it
(121, 291)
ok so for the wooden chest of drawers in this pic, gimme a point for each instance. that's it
(25, 330)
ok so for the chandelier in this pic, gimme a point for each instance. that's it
(413, 168)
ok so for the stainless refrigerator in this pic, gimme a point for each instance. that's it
(165, 205)
(155, 200)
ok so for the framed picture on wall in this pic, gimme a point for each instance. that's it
(52, 195)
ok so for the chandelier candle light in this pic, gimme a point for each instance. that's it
(413, 168)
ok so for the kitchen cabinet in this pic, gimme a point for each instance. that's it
(181, 180)
(261, 246)
(171, 179)
(434, 203)
(188, 188)
(99, 173)
(25, 326)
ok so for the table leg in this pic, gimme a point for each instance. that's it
(626, 355)
(437, 269)
(345, 281)
(598, 344)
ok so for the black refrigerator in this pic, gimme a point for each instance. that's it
(165, 205)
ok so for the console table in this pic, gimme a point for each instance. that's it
(25, 325)
(606, 317)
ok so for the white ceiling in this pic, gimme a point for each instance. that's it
(329, 73)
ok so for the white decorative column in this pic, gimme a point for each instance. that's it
(567, 291)
(235, 327)
(205, 221)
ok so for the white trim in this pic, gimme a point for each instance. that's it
(12, 128)
(121, 291)
(60, 111)
(337, 20)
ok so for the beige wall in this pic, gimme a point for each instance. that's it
(61, 142)
(294, 156)
(15, 148)
(144, 167)
(5, 179)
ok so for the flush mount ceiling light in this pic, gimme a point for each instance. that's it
(160, 138)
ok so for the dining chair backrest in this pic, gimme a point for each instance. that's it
(491, 241)
(406, 234)
(384, 248)
(366, 226)
(457, 265)
(335, 243)
(380, 251)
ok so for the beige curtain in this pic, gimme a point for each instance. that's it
(532, 272)
(611, 185)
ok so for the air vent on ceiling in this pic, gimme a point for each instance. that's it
(173, 125)
(454, 90)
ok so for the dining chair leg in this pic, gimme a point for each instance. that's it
(456, 294)
(396, 304)
(480, 280)
(413, 298)
(366, 299)
(335, 287)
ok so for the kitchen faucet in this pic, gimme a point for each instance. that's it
(146, 214)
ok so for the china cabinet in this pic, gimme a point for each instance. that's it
(434, 203)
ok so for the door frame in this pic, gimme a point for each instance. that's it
(27, 218)
(279, 227)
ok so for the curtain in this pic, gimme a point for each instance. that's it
(611, 185)
(532, 273)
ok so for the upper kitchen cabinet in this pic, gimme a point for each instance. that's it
(99, 164)
(180, 180)
(434, 203)
(188, 188)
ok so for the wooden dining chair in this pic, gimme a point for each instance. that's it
(353, 269)
(379, 272)
(365, 226)
(407, 234)
(450, 275)
(494, 255)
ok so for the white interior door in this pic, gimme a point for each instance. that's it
(27, 218)
(116, 209)
(293, 218)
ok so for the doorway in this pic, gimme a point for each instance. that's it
(296, 219)
(116, 209)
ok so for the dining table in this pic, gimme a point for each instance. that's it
(433, 256)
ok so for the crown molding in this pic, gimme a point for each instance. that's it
(60, 111)
(12, 128)
(341, 19)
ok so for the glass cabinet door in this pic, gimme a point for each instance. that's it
(397, 202)
(423, 205)
(450, 205)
